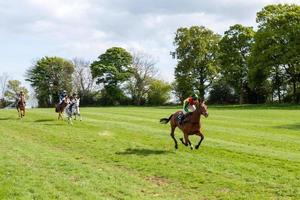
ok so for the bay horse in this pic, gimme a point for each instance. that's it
(191, 127)
(21, 107)
(60, 108)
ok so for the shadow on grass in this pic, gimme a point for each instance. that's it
(48, 124)
(6, 118)
(45, 120)
(143, 152)
(295, 127)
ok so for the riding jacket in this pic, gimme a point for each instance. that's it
(188, 105)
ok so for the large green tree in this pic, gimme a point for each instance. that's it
(13, 88)
(196, 51)
(276, 48)
(48, 76)
(235, 49)
(112, 69)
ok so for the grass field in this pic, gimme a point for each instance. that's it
(124, 153)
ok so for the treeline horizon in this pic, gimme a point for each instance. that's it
(244, 66)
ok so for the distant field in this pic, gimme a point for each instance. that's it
(124, 153)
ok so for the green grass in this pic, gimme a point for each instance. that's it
(124, 153)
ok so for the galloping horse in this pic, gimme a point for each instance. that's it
(190, 127)
(73, 110)
(60, 108)
(21, 107)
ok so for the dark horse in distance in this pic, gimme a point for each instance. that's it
(191, 127)
(60, 108)
(21, 107)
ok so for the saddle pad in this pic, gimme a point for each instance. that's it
(179, 116)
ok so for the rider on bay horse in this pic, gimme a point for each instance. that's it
(188, 107)
(20, 97)
(62, 96)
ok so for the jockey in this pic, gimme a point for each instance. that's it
(73, 100)
(75, 96)
(188, 107)
(20, 96)
(62, 96)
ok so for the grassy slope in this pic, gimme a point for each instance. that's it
(123, 153)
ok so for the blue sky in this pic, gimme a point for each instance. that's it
(31, 29)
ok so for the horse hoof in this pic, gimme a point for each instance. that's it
(192, 148)
(176, 146)
(197, 147)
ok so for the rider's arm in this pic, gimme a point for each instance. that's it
(186, 106)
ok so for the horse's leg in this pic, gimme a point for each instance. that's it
(201, 138)
(173, 135)
(192, 147)
(59, 115)
(186, 139)
(78, 111)
(70, 120)
(24, 113)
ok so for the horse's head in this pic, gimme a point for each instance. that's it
(202, 108)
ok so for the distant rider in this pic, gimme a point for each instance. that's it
(20, 96)
(73, 101)
(62, 96)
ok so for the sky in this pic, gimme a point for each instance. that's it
(31, 29)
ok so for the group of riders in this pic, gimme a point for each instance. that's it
(62, 97)
(72, 99)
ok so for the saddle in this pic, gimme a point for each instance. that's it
(20, 103)
(181, 118)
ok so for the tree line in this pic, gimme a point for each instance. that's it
(243, 66)
(116, 77)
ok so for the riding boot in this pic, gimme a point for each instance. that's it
(181, 119)
(184, 118)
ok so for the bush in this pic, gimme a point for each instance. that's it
(159, 92)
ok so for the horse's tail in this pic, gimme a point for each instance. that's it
(165, 120)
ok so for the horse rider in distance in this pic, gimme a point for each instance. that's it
(19, 97)
(62, 96)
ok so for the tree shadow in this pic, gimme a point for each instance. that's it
(295, 127)
(143, 152)
(44, 120)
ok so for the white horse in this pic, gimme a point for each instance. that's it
(73, 110)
